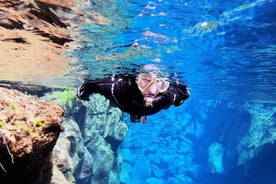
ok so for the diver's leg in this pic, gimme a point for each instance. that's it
(138, 119)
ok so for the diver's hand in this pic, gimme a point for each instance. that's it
(82, 93)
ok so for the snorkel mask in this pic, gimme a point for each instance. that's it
(150, 82)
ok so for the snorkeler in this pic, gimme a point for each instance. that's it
(139, 96)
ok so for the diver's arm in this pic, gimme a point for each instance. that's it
(107, 87)
(175, 95)
(102, 86)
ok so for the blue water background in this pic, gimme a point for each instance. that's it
(225, 52)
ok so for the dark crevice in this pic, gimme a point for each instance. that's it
(31, 89)
(54, 39)
(10, 24)
(47, 15)
(16, 40)
(114, 143)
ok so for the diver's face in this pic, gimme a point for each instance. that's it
(152, 90)
(149, 86)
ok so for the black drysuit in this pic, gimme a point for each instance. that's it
(124, 93)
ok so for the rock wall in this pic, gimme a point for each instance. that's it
(29, 129)
(243, 134)
(87, 150)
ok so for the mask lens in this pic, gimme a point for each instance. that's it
(154, 85)
(162, 85)
(144, 82)
(153, 88)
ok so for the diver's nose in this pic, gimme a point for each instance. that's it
(153, 89)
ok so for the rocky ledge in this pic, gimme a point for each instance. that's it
(29, 129)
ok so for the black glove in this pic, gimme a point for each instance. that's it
(182, 94)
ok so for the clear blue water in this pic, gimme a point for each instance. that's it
(226, 52)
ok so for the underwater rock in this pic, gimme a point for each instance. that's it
(29, 129)
(140, 170)
(157, 172)
(166, 154)
(173, 180)
(215, 158)
(104, 132)
(168, 158)
(154, 181)
(58, 177)
(154, 158)
(261, 131)
(129, 156)
(86, 151)
(125, 172)
(71, 156)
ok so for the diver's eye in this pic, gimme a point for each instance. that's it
(146, 80)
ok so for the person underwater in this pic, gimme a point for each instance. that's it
(140, 96)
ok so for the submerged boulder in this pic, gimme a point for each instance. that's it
(215, 158)
(260, 132)
(87, 150)
(29, 129)
(104, 131)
